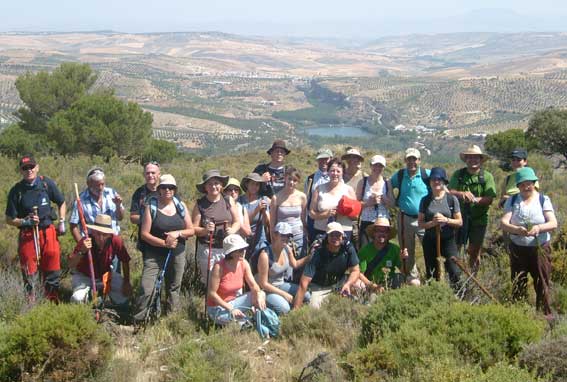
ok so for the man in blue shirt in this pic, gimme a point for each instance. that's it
(412, 184)
(97, 199)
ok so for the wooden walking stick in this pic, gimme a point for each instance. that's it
(403, 244)
(89, 253)
(440, 274)
(211, 236)
(482, 288)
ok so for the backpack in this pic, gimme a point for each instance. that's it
(461, 177)
(450, 201)
(541, 199)
(44, 189)
(267, 323)
(424, 179)
(153, 203)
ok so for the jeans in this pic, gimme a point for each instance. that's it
(279, 304)
(223, 316)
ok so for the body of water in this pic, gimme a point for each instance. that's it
(340, 131)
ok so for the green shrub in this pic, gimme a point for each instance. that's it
(393, 308)
(548, 357)
(214, 358)
(51, 342)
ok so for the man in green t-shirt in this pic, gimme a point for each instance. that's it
(380, 261)
(475, 189)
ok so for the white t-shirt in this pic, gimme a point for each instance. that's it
(528, 215)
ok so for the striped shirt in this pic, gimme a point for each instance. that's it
(91, 208)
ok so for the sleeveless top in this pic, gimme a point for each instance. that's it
(278, 273)
(327, 201)
(292, 216)
(219, 212)
(230, 284)
(370, 214)
(162, 224)
(250, 207)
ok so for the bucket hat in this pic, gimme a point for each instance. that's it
(439, 173)
(210, 175)
(167, 180)
(279, 144)
(252, 176)
(234, 182)
(525, 174)
(233, 243)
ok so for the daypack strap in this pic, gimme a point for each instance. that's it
(376, 260)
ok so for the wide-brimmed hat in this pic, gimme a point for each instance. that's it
(352, 152)
(520, 153)
(283, 228)
(378, 159)
(234, 182)
(252, 176)
(27, 160)
(412, 152)
(233, 243)
(524, 174)
(473, 150)
(279, 144)
(381, 222)
(208, 176)
(102, 223)
(167, 180)
(439, 173)
(324, 154)
(334, 227)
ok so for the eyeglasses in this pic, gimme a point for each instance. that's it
(28, 168)
(167, 187)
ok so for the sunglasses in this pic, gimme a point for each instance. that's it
(232, 189)
(28, 168)
(167, 187)
(154, 162)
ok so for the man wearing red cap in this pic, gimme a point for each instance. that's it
(29, 209)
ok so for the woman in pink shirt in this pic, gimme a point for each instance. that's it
(225, 302)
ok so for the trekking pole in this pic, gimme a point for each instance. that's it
(36, 241)
(402, 244)
(155, 299)
(482, 288)
(211, 235)
(89, 253)
(440, 274)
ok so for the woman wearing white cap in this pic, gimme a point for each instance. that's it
(225, 303)
(273, 265)
(375, 193)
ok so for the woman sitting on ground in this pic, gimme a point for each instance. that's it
(440, 211)
(273, 264)
(225, 303)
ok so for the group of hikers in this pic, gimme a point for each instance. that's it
(262, 243)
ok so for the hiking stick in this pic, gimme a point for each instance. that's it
(89, 253)
(155, 299)
(402, 244)
(36, 241)
(482, 288)
(440, 274)
(211, 234)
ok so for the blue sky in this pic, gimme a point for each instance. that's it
(288, 17)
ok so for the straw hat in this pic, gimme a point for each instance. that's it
(381, 222)
(103, 223)
(208, 176)
(473, 150)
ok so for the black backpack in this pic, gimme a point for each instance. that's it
(461, 177)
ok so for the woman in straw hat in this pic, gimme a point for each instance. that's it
(529, 218)
(104, 245)
(475, 189)
(233, 190)
(440, 209)
(166, 226)
(213, 215)
(375, 193)
(225, 301)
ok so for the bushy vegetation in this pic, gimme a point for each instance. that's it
(548, 357)
(60, 343)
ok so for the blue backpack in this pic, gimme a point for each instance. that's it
(267, 323)
(153, 203)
